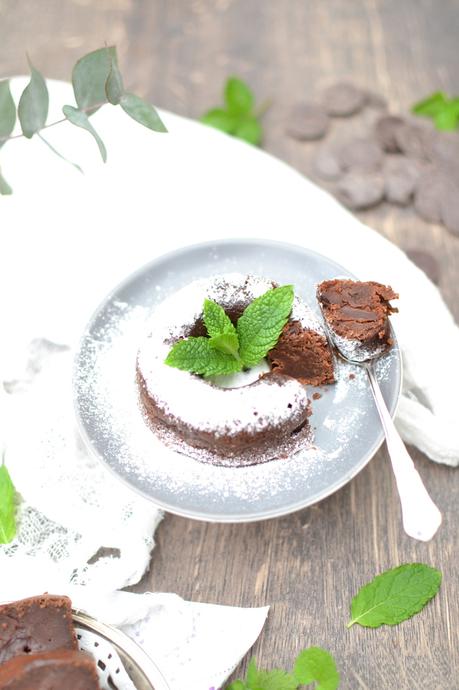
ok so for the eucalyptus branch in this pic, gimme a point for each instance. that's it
(96, 81)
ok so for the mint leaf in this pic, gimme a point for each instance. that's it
(33, 104)
(431, 105)
(277, 679)
(443, 110)
(395, 595)
(7, 507)
(228, 343)
(316, 664)
(250, 131)
(215, 319)
(239, 98)
(200, 357)
(447, 119)
(220, 119)
(262, 322)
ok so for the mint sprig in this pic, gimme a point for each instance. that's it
(395, 595)
(7, 507)
(231, 348)
(442, 109)
(238, 116)
(312, 665)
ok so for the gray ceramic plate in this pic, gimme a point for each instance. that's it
(346, 424)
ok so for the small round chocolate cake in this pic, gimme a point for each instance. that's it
(246, 418)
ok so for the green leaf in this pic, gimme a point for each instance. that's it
(277, 679)
(262, 322)
(252, 672)
(249, 130)
(220, 119)
(56, 152)
(7, 507)
(33, 104)
(215, 319)
(199, 357)
(89, 77)
(237, 685)
(227, 343)
(114, 88)
(395, 595)
(238, 97)
(447, 119)
(7, 111)
(5, 189)
(80, 119)
(316, 664)
(142, 112)
(430, 106)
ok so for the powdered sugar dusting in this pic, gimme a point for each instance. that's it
(345, 423)
(199, 404)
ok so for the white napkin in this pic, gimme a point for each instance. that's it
(73, 508)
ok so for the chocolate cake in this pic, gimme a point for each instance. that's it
(37, 624)
(257, 422)
(357, 313)
(63, 669)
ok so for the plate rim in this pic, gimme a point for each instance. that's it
(212, 517)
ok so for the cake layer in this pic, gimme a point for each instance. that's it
(259, 421)
(63, 669)
(357, 310)
(37, 624)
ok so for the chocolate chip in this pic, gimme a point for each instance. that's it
(326, 165)
(428, 195)
(449, 205)
(426, 262)
(360, 190)
(342, 100)
(307, 122)
(385, 129)
(363, 155)
(400, 177)
(374, 100)
(412, 140)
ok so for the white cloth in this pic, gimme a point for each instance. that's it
(66, 240)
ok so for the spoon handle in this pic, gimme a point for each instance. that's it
(421, 517)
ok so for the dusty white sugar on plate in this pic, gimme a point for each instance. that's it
(195, 402)
(113, 419)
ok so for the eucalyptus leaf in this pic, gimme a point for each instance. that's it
(114, 88)
(89, 78)
(142, 112)
(55, 151)
(33, 104)
(7, 111)
(80, 119)
(5, 189)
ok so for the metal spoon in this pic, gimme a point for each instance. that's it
(421, 517)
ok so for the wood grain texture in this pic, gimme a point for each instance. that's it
(309, 565)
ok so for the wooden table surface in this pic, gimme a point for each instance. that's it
(309, 565)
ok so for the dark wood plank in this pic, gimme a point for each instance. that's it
(306, 566)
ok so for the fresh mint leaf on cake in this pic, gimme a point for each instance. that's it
(198, 356)
(229, 348)
(261, 324)
(215, 319)
(7, 507)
